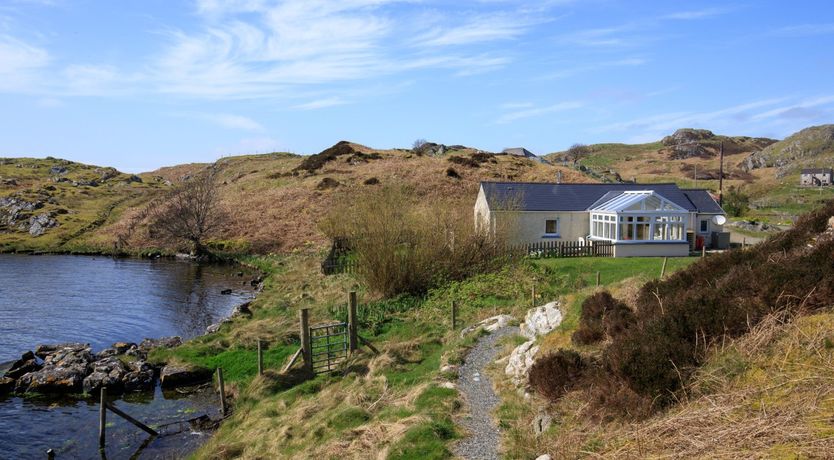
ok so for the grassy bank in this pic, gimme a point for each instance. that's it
(392, 404)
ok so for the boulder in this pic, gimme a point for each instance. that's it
(520, 361)
(541, 423)
(42, 351)
(123, 347)
(242, 309)
(544, 457)
(176, 375)
(52, 379)
(541, 320)
(70, 357)
(93, 383)
(27, 363)
(140, 377)
(164, 342)
(490, 324)
(6, 385)
(226, 291)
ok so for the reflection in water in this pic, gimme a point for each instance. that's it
(49, 299)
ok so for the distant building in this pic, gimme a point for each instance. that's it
(519, 152)
(815, 176)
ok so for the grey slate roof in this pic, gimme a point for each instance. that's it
(542, 196)
(703, 201)
(816, 171)
(519, 152)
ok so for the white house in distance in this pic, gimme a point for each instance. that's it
(639, 219)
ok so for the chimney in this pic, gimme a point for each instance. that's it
(559, 177)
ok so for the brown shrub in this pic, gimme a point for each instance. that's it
(555, 374)
(602, 315)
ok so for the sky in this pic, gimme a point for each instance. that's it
(140, 84)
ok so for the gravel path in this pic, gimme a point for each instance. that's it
(483, 436)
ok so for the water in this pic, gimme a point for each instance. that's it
(100, 300)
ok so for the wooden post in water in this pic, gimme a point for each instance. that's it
(663, 269)
(102, 418)
(50, 454)
(222, 391)
(597, 279)
(306, 355)
(454, 314)
(260, 358)
(353, 326)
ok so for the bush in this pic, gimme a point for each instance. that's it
(602, 315)
(721, 296)
(402, 246)
(554, 375)
(735, 202)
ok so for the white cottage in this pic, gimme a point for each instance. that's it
(640, 219)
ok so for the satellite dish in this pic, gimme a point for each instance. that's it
(719, 220)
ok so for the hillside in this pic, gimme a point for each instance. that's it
(276, 201)
(765, 169)
(52, 203)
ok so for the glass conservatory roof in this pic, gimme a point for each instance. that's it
(636, 201)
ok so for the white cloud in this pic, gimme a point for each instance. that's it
(228, 120)
(695, 14)
(476, 30)
(805, 30)
(571, 71)
(321, 103)
(19, 63)
(538, 111)
(808, 109)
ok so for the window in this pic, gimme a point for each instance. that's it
(704, 226)
(551, 227)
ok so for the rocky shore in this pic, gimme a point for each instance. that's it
(72, 368)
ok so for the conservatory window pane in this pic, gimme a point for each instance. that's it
(642, 232)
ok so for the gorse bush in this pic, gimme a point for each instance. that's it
(402, 246)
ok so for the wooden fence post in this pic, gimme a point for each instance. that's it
(663, 268)
(744, 242)
(533, 295)
(304, 320)
(454, 314)
(703, 251)
(597, 279)
(222, 391)
(353, 327)
(260, 358)
(102, 418)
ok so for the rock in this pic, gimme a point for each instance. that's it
(42, 351)
(371, 181)
(107, 353)
(242, 309)
(449, 368)
(226, 291)
(541, 423)
(93, 383)
(27, 363)
(57, 170)
(490, 324)
(133, 178)
(123, 347)
(212, 328)
(138, 380)
(541, 320)
(521, 359)
(6, 385)
(70, 356)
(53, 379)
(164, 342)
(448, 385)
(327, 183)
(175, 375)
(544, 457)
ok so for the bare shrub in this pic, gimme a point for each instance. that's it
(602, 315)
(402, 245)
(190, 212)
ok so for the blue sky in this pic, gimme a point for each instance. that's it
(142, 84)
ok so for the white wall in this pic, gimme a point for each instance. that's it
(651, 250)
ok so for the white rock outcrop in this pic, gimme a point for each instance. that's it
(522, 357)
(541, 320)
(490, 324)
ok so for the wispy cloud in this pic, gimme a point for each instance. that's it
(696, 14)
(227, 120)
(805, 109)
(571, 71)
(477, 30)
(805, 30)
(321, 103)
(19, 62)
(538, 111)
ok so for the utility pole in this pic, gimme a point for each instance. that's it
(721, 177)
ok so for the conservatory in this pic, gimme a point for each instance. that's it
(639, 216)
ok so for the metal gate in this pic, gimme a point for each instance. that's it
(328, 346)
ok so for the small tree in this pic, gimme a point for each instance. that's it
(736, 202)
(190, 212)
(578, 151)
